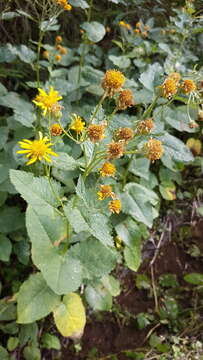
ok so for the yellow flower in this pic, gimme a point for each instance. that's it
(125, 25)
(48, 102)
(108, 169)
(64, 4)
(36, 149)
(115, 206)
(188, 86)
(77, 124)
(58, 39)
(113, 81)
(169, 88)
(105, 192)
(58, 58)
(56, 130)
(153, 149)
(175, 76)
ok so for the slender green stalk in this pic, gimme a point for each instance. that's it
(150, 108)
(98, 107)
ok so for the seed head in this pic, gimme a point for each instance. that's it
(188, 86)
(144, 127)
(169, 88)
(58, 39)
(56, 130)
(108, 169)
(115, 206)
(153, 149)
(125, 99)
(113, 81)
(96, 132)
(125, 134)
(46, 54)
(175, 76)
(58, 58)
(116, 149)
(194, 145)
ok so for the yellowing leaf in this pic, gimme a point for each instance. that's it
(70, 317)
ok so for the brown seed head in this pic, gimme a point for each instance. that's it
(58, 58)
(96, 132)
(116, 149)
(108, 169)
(115, 206)
(105, 192)
(125, 99)
(113, 81)
(63, 51)
(144, 127)
(153, 149)
(125, 134)
(169, 88)
(56, 130)
(188, 86)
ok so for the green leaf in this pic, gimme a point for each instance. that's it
(122, 62)
(11, 219)
(194, 278)
(140, 167)
(168, 190)
(98, 297)
(50, 342)
(147, 78)
(79, 3)
(32, 352)
(61, 272)
(7, 311)
(176, 149)
(35, 300)
(111, 284)
(96, 259)
(5, 248)
(94, 30)
(3, 136)
(132, 257)
(36, 190)
(28, 332)
(12, 343)
(3, 353)
(70, 317)
(65, 162)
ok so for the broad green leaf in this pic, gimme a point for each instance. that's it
(35, 300)
(36, 190)
(111, 284)
(98, 297)
(176, 149)
(3, 353)
(132, 257)
(7, 310)
(61, 272)
(95, 259)
(25, 54)
(65, 162)
(12, 343)
(147, 78)
(3, 136)
(70, 317)
(11, 219)
(94, 30)
(5, 248)
(194, 278)
(122, 62)
(140, 167)
(168, 190)
(79, 3)
(28, 332)
(50, 342)
(32, 352)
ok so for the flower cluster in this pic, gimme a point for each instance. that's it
(64, 3)
(124, 25)
(112, 82)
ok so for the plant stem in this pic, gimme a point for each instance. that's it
(150, 108)
(98, 107)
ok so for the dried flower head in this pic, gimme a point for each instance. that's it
(113, 81)
(107, 169)
(56, 130)
(188, 86)
(105, 192)
(125, 99)
(169, 88)
(124, 25)
(96, 132)
(116, 149)
(115, 206)
(58, 58)
(58, 39)
(77, 124)
(63, 50)
(144, 127)
(48, 102)
(125, 134)
(175, 76)
(194, 145)
(64, 4)
(46, 54)
(193, 125)
(36, 149)
(153, 149)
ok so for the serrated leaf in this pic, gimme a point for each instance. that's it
(176, 149)
(65, 162)
(35, 300)
(132, 257)
(70, 317)
(61, 272)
